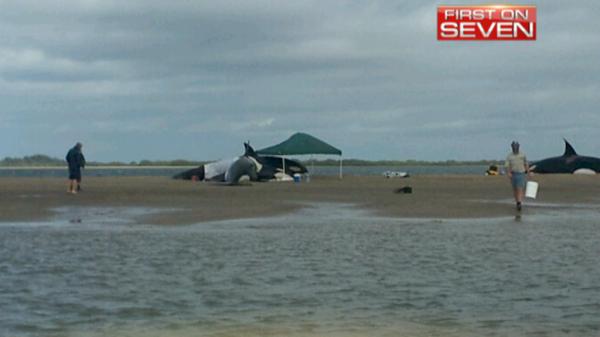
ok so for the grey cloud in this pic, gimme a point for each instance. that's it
(367, 74)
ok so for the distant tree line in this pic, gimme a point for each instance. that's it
(410, 162)
(35, 160)
(40, 160)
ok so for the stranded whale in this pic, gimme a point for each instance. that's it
(252, 165)
(569, 162)
(268, 166)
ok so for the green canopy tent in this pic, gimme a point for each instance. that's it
(302, 144)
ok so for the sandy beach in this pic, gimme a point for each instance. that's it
(185, 202)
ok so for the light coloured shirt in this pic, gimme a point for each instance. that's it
(516, 162)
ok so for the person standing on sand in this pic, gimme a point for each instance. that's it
(76, 161)
(517, 169)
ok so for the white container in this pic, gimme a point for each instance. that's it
(531, 189)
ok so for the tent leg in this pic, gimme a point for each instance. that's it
(340, 167)
(283, 164)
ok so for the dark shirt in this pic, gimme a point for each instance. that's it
(75, 158)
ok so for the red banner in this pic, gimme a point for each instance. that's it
(493, 22)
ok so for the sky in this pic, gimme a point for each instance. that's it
(155, 79)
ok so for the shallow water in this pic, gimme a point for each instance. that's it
(324, 271)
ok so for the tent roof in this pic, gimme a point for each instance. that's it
(301, 143)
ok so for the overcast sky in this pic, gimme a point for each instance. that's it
(155, 79)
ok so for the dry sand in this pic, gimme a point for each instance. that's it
(453, 196)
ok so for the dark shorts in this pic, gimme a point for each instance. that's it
(75, 174)
(519, 179)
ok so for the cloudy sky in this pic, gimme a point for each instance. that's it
(155, 79)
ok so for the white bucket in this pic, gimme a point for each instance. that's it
(531, 189)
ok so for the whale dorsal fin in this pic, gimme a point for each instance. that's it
(249, 151)
(569, 150)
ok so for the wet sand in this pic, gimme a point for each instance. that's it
(185, 202)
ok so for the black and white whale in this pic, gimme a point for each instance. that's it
(251, 165)
(240, 168)
(569, 162)
(230, 171)
(270, 166)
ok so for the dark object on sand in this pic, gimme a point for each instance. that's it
(492, 171)
(405, 190)
(569, 162)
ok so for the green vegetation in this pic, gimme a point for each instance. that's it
(410, 162)
(40, 160)
(35, 160)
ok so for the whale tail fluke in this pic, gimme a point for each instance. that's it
(569, 150)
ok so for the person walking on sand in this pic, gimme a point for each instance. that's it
(76, 161)
(517, 169)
